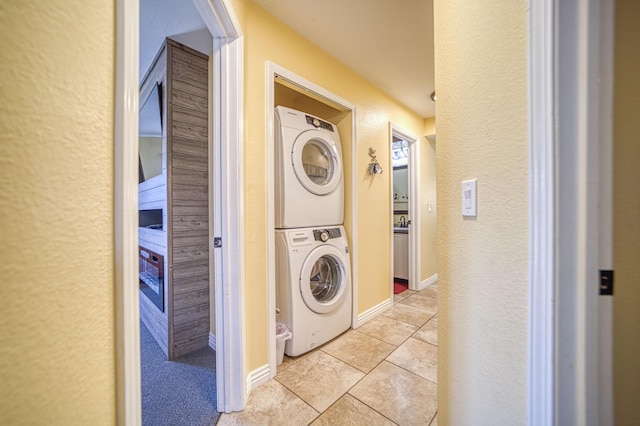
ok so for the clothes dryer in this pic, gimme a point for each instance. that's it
(313, 285)
(308, 165)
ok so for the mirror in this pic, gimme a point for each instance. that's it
(400, 188)
(150, 135)
(400, 162)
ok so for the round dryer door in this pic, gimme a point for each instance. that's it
(316, 162)
(323, 279)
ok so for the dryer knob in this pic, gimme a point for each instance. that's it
(324, 236)
(316, 122)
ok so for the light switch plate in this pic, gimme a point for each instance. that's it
(469, 207)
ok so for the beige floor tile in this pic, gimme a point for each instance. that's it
(271, 404)
(319, 379)
(388, 330)
(423, 302)
(350, 411)
(429, 292)
(359, 350)
(398, 394)
(428, 332)
(418, 357)
(401, 296)
(408, 314)
(286, 363)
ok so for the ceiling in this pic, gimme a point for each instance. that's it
(388, 42)
(389, 45)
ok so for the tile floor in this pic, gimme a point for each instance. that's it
(383, 373)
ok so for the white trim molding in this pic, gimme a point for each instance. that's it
(429, 281)
(128, 392)
(257, 377)
(541, 393)
(212, 341)
(373, 312)
(220, 18)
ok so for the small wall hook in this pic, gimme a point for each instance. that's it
(374, 167)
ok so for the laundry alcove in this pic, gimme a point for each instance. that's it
(292, 91)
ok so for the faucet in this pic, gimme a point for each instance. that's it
(403, 222)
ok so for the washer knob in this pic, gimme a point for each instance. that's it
(324, 236)
(316, 122)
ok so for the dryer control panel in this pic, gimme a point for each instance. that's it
(316, 122)
(325, 234)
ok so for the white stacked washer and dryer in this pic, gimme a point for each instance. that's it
(313, 275)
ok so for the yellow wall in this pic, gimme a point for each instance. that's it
(268, 39)
(57, 355)
(428, 246)
(481, 79)
(626, 213)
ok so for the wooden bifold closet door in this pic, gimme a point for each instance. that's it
(188, 198)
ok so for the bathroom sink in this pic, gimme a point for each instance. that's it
(400, 230)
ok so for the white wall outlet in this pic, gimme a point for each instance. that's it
(469, 198)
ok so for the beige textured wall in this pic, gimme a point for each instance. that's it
(626, 213)
(57, 355)
(428, 243)
(481, 79)
(268, 39)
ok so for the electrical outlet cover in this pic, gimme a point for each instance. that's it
(469, 197)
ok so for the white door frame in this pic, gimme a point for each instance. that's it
(570, 112)
(273, 72)
(414, 204)
(228, 216)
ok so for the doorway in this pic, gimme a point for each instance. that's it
(221, 22)
(401, 219)
(174, 255)
(405, 211)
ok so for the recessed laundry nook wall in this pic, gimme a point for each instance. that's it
(267, 40)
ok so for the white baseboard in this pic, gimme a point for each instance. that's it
(212, 341)
(431, 280)
(373, 312)
(257, 377)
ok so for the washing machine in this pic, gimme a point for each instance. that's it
(308, 166)
(313, 285)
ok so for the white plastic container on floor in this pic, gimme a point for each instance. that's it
(282, 335)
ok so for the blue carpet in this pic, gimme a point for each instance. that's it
(181, 392)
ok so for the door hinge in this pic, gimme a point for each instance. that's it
(217, 242)
(606, 283)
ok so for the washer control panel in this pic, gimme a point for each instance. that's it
(316, 122)
(325, 235)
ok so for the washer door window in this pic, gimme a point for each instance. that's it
(322, 279)
(316, 162)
